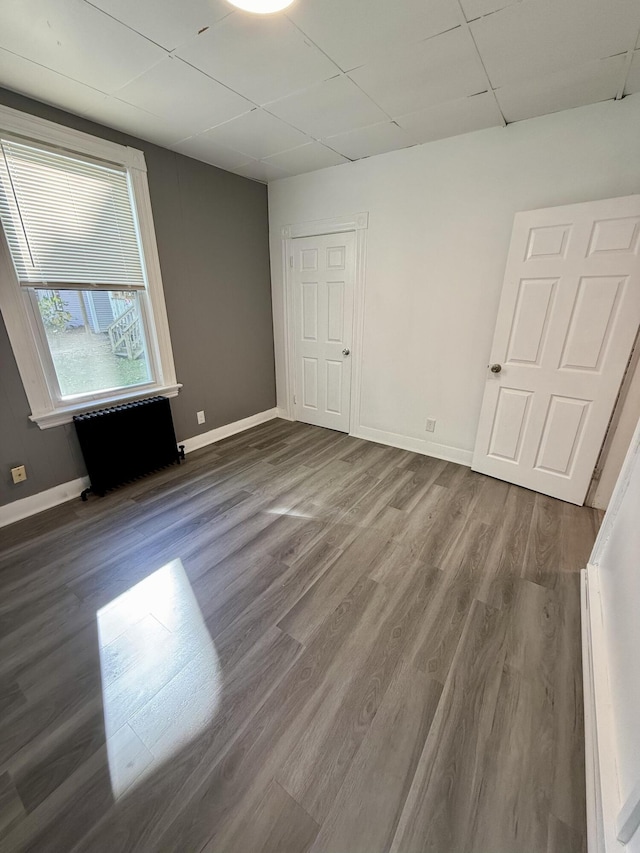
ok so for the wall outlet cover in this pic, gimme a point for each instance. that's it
(201, 417)
(430, 425)
(19, 474)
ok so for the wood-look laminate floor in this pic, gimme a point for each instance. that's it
(297, 641)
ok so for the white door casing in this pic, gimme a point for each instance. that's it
(567, 320)
(323, 282)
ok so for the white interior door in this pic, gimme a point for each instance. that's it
(567, 320)
(323, 276)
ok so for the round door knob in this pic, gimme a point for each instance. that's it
(495, 368)
(346, 351)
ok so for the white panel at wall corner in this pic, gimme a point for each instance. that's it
(634, 844)
(440, 219)
(617, 561)
(626, 425)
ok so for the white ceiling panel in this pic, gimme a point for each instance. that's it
(257, 134)
(368, 141)
(306, 158)
(585, 84)
(193, 100)
(439, 69)
(352, 32)
(166, 22)
(452, 118)
(77, 40)
(28, 78)
(260, 171)
(537, 37)
(203, 148)
(263, 58)
(633, 80)
(332, 107)
(33, 80)
(477, 8)
(133, 120)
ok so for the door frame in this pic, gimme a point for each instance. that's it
(358, 223)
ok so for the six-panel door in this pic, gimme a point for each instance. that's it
(566, 324)
(323, 277)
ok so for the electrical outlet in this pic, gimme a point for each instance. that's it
(201, 417)
(430, 425)
(19, 474)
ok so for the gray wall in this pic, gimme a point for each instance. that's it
(212, 233)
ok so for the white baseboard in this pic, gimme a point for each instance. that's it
(417, 445)
(23, 508)
(213, 435)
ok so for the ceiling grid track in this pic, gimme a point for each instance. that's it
(490, 88)
(324, 83)
(627, 65)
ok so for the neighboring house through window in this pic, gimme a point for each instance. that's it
(80, 285)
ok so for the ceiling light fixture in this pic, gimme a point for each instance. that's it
(261, 7)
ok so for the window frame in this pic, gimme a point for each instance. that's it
(16, 301)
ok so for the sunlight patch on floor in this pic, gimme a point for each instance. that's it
(283, 510)
(161, 679)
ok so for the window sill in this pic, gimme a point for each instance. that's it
(64, 414)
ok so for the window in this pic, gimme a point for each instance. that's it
(80, 285)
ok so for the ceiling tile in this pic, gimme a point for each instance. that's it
(352, 32)
(263, 58)
(452, 118)
(77, 40)
(477, 8)
(332, 107)
(306, 158)
(133, 120)
(22, 75)
(264, 172)
(27, 77)
(256, 134)
(368, 141)
(438, 69)
(187, 96)
(203, 148)
(575, 87)
(633, 78)
(538, 37)
(166, 22)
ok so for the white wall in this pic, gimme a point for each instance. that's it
(617, 556)
(440, 218)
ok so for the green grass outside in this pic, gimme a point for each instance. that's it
(84, 363)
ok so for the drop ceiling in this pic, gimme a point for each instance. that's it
(327, 82)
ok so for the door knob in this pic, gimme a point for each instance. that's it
(495, 368)
(346, 351)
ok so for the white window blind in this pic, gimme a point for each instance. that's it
(68, 222)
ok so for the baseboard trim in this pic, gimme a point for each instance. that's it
(416, 445)
(25, 507)
(217, 434)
